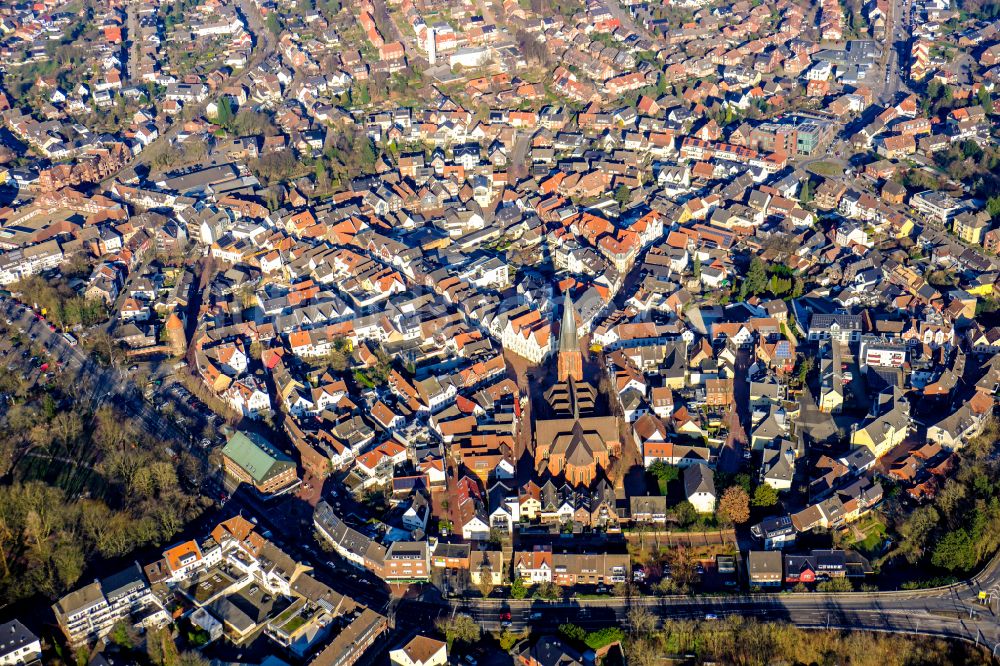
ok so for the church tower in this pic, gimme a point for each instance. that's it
(570, 363)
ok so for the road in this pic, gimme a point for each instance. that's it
(132, 37)
(520, 167)
(952, 611)
(731, 458)
(898, 34)
(97, 383)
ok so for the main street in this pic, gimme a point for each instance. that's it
(953, 611)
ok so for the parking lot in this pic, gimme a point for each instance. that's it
(34, 355)
(190, 410)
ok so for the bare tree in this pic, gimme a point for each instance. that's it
(486, 580)
(734, 507)
(641, 621)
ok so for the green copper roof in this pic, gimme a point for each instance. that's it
(257, 456)
(567, 331)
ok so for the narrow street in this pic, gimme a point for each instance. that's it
(731, 456)
(132, 38)
(519, 165)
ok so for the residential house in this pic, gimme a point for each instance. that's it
(699, 487)
(765, 568)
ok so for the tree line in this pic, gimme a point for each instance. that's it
(744, 641)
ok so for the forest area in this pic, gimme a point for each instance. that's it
(960, 529)
(79, 485)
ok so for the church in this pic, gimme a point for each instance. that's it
(578, 437)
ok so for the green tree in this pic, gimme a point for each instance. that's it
(573, 633)
(984, 99)
(548, 591)
(916, 531)
(663, 472)
(805, 367)
(798, 285)
(161, 648)
(993, 206)
(120, 635)
(756, 279)
(955, 551)
(67, 560)
(322, 175)
(723, 481)
(684, 513)
(934, 90)
(806, 195)
(508, 639)
(365, 153)
(835, 585)
(363, 97)
(765, 496)
(224, 113)
(273, 23)
(623, 194)
(518, 589)
(603, 637)
(779, 286)
(461, 628)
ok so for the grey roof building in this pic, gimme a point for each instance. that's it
(18, 645)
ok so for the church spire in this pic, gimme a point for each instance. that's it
(570, 363)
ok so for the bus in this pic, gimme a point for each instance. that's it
(70, 339)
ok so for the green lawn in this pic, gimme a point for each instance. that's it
(74, 479)
(874, 531)
(652, 482)
(293, 624)
(827, 169)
